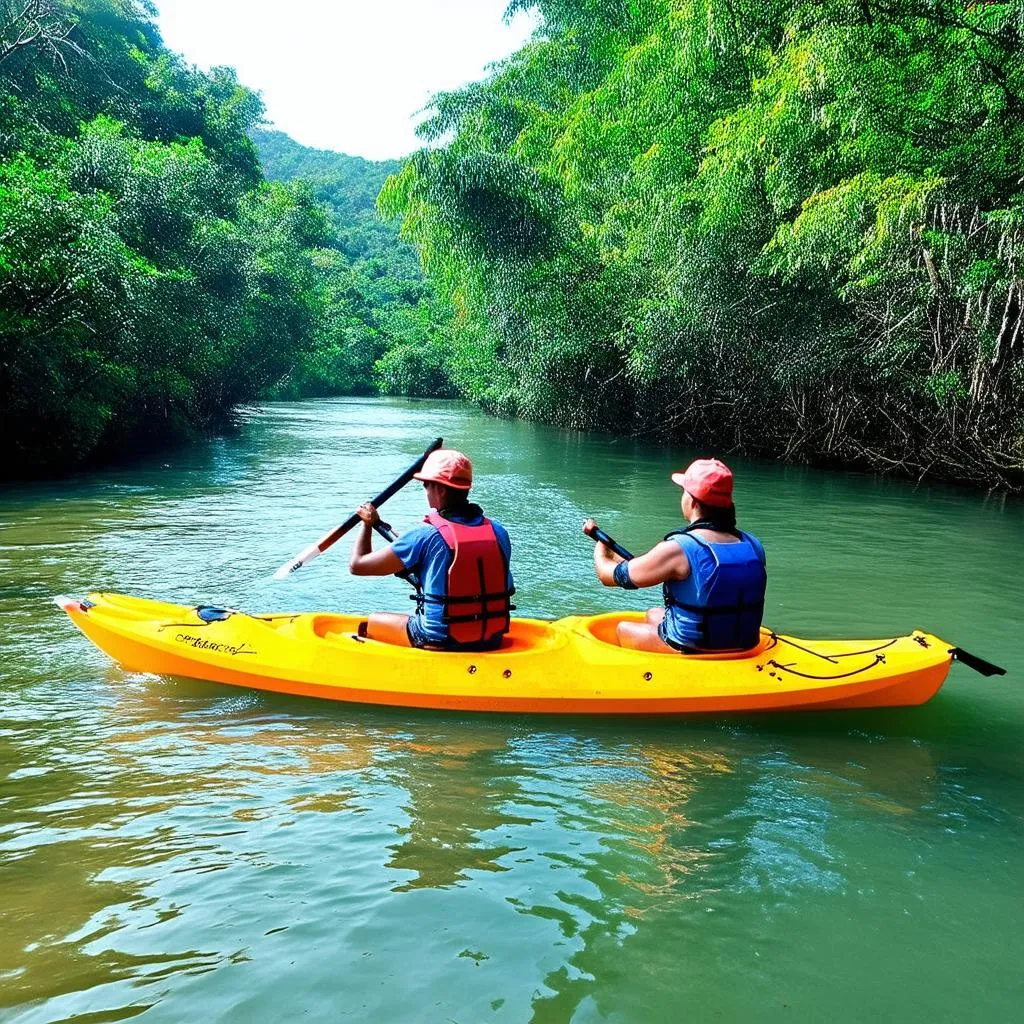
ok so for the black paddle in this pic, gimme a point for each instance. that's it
(599, 536)
(317, 549)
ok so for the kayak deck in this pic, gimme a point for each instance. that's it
(568, 666)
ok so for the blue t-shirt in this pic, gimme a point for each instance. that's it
(424, 552)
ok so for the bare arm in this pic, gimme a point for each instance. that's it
(665, 561)
(364, 561)
(605, 561)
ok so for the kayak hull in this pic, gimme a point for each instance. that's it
(570, 666)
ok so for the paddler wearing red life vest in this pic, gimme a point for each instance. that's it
(459, 558)
(712, 574)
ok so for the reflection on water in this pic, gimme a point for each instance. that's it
(193, 852)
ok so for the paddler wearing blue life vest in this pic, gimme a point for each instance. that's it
(458, 557)
(713, 575)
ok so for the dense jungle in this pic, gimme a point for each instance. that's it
(786, 229)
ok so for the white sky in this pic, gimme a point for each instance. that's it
(347, 75)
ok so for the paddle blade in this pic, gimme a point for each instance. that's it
(301, 559)
(986, 668)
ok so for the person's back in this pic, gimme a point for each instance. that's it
(461, 559)
(712, 575)
(458, 558)
(718, 607)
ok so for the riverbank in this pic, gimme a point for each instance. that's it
(925, 466)
(756, 225)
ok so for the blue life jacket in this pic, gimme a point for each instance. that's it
(718, 607)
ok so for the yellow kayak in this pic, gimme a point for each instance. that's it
(569, 666)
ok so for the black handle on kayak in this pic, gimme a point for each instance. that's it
(986, 668)
(598, 535)
(385, 531)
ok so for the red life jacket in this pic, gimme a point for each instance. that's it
(476, 606)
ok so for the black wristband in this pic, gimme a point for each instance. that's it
(621, 577)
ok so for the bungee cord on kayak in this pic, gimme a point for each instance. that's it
(878, 660)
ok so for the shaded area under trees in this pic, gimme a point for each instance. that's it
(150, 279)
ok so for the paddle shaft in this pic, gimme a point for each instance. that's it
(317, 549)
(599, 536)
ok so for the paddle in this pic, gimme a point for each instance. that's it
(317, 549)
(986, 668)
(599, 536)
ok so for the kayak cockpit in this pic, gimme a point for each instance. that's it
(525, 635)
(603, 628)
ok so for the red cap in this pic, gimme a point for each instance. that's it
(707, 480)
(449, 467)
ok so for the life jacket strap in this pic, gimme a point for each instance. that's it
(471, 599)
(731, 609)
(705, 524)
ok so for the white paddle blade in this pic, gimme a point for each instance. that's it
(301, 559)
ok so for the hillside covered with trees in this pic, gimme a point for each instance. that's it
(151, 278)
(386, 329)
(780, 227)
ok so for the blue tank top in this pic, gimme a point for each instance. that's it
(719, 606)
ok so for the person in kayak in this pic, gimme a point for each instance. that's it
(458, 557)
(713, 575)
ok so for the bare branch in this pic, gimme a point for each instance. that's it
(36, 24)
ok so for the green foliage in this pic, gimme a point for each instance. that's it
(382, 327)
(149, 279)
(783, 227)
(793, 227)
(416, 363)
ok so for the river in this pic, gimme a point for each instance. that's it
(186, 851)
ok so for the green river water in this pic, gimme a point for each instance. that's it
(189, 852)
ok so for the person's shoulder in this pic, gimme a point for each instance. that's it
(501, 533)
(755, 542)
(415, 536)
(681, 538)
(670, 546)
(419, 531)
